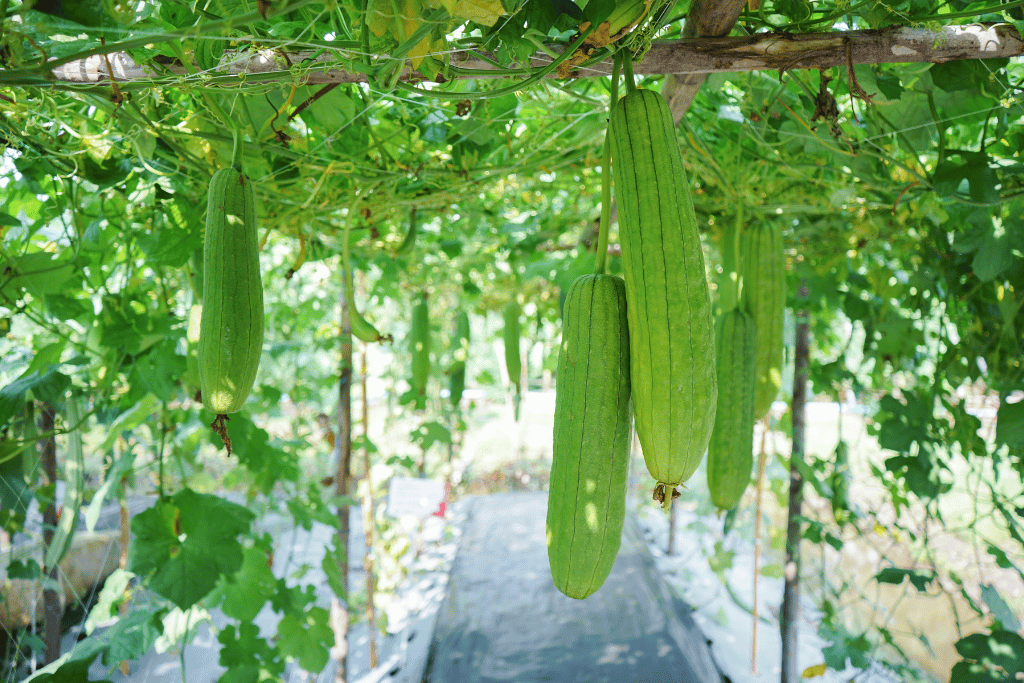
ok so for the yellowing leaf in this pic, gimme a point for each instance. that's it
(411, 21)
(484, 12)
(379, 17)
(814, 671)
(417, 54)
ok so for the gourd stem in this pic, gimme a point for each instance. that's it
(236, 148)
(346, 267)
(627, 66)
(606, 177)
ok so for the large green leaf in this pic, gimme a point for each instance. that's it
(306, 637)
(37, 273)
(186, 543)
(989, 658)
(1010, 424)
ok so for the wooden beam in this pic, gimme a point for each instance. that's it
(762, 51)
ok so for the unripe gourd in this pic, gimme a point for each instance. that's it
(731, 450)
(672, 358)
(510, 336)
(764, 298)
(419, 347)
(460, 354)
(231, 327)
(590, 450)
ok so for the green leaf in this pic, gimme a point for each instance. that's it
(1010, 424)
(543, 15)
(332, 565)
(37, 273)
(981, 177)
(140, 413)
(247, 657)
(75, 671)
(170, 247)
(291, 598)
(251, 587)
(306, 637)
(132, 635)
(48, 386)
(24, 569)
(187, 543)
(947, 178)
(997, 656)
(429, 433)
(894, 575)
(953, 76)
(1003, 561)
(110, 599)
(251, 445)
(333, 110)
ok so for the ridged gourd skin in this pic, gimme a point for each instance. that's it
(764, 298)
(419, 346)
(511, 335)
(731, 451)
(671, 327)
(231, 328)
(590, 452)
(192, 335)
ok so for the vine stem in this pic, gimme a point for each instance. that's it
(507, 90)
(345, 251)
(627, 66)
(236, 148)
(606, 177)
(44, 69)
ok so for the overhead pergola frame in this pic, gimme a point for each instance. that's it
(704, 55)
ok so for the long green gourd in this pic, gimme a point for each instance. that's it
(419, 347)
(460, 355)
(764, 298)
(590, 450)
(672, 356)
(231, 327)
(731, 451)
(511, 333)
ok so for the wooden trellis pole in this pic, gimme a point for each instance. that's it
(761, 51)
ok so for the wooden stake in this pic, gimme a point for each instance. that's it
(759, 487)
(789, 617)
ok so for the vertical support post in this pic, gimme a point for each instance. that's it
(343, 447)
(755, 610)
(52, 611)
(368, 503)
(789, 618)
